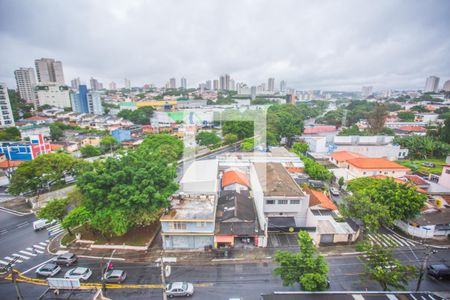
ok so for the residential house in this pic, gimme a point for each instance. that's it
(235, 180)
(434, 224)
(327, 131)
(339, 158)
(411, 130)
(236, 221)
(189, 223)
(31, 130)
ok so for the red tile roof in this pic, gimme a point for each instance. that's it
(417, 180)
(56, 146)
(319, 198)
(320, 129)
(234, 176)
(341, 156)
(375, 163)
(295, 170)
(36, 118)
(10, 164)
(410, 128)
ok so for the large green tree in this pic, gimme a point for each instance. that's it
(108, 143)
(90, 151)
(305, 267)
(376, 118)
(423, 147)
(166, 145)
(140, 116)
(243, 129)
(56, 133)
(9, 134)
(43, 172)
(54, 210)
(381, 266)
(205, 138)
(381, 201)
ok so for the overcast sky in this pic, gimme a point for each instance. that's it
(331, 45)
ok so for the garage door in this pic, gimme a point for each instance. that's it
(326, 238)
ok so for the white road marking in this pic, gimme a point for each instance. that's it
(57, 226)
(3, 262)
(37, 266)
(43, 244)
(57, 231)
(27, 253)
(21, 256)
(10, 259)
(48, 241)
(39, 247)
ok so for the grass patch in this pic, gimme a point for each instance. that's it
(137, 236)
(416, 165)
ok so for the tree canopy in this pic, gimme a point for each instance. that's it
(54, 210)
(381, 201)
(305, 267)
(108, 143)
(423, 147)
(140, 115)
(205, 138)
(9, 134)
(165, 145)
(90, 151)
(376, 118)
(243, 129)
(56, 133)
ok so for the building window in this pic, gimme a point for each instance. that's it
(282, 202)
(270, 201)
(201, 224)
(295, 202)
(178, 225)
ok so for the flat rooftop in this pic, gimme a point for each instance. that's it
(185, 207)
(276, 181)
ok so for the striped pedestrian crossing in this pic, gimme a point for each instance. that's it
(389, 240)
(24, 255)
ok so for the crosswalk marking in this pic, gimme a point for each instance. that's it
(389, 240)
(43, 244)
(21, 256)
(54, 227)
(39, 247)
(27, 253)
(57, 231)
(10, 259)
(3, 262)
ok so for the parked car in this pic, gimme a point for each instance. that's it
(42, 224)
(66, 259)
(316, 184)
(439, 271)
(48, 270)
(428, 164)
(334, 191)
(179, 289)
(115, 276)
(78, 273)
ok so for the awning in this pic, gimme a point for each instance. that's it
(229, 239)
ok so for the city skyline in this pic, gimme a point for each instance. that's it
(296, 45)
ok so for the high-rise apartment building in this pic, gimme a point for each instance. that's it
(282, 86)
(95, 85)
(446, 86)
(6, 115)
(112, 86)
(232, 85)
(253, 92)
(208, 84)
(366, 91)
(75, 83)
(86, 102)
(183, 83)
(432, 84)
(172, 83)
(271, 84)
(215, 84)
(52, 94)
(49, 70)
(26, 82)
(127, 83)
(221, 82)
(227, 82)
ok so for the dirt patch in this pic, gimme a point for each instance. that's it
(137, 236)
(19, 204)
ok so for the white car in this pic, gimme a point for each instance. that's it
(179, 289)
(42, 224)
(48, 270)
(78, 273)
(334, 191)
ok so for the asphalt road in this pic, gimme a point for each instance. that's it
(243, 280)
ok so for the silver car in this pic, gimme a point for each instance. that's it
(78, 273)
(179, 289)
(47, 270)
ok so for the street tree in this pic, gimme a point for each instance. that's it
(43, 172)
(90, 151)
(54, 210)
(376, 118)
(9, 134)
(389, 272)
(305, 267)
(300, 148)
(341, 182)
(243, 129)
(230, 138)
(248, 144)
(77, 216)
(108, 143)
(56, 133)
(168, 146)
(206, 138)
(315, 170)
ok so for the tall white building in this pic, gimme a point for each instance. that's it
(232, 85)
(227, 81)
(432, 84)
(95, 85)
(208, 85)
(112, 86)
(282, 86)
(172, 83)
(26, 82)
(366, 91)
(95, 103)
(6, 116)
(446, 86)
(183, 83)
(271, 84)
(53, 94)
(127, 83)
(75, 83)
(49, 70)
(216, 84)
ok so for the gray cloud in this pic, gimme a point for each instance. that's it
(323, 45)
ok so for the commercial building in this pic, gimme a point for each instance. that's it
(26, 81)
(49, 70)
(432, 84)
(52, 94)
(6, 116)
(25, 150)
(86, 102)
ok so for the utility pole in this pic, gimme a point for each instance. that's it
(163, 277)
(105, 270)
(14, 279)
(423, 266)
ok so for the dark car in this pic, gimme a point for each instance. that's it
(439, 271)
(66, 259)
(115, 276)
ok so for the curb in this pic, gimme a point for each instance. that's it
(416, 242)
(15, 212)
